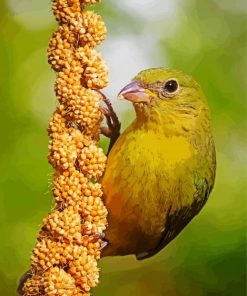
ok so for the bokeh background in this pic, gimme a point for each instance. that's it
(204, 38)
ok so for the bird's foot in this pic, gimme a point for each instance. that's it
(103, 242)
(112, 130)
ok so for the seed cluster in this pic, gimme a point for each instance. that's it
(64, 260)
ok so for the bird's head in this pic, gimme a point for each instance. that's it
(164, 95)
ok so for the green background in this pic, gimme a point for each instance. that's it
(204, 38)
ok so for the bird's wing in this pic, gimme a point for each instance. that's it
(176, 221)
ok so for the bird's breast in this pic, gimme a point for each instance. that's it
(140, 179)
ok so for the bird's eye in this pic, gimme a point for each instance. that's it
(171, 86)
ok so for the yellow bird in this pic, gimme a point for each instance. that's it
(161, 169)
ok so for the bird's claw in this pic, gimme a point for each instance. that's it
(103, 242)
(112, 130)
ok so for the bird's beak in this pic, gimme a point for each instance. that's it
(135, 93)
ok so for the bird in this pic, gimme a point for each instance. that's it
(161, 170)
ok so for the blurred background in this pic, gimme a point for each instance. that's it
(204, 38)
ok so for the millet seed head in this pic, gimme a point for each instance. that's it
(61, 50)
(49, 252)
(58, 282)
(66, 11)
(95, 29)
(95, 73)
(85, 272)
(73, 188)
(63, 151)
(83, 109)
(57, 124)
(65, 226)
(89, 2)
(92, 161)
(64, 260)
